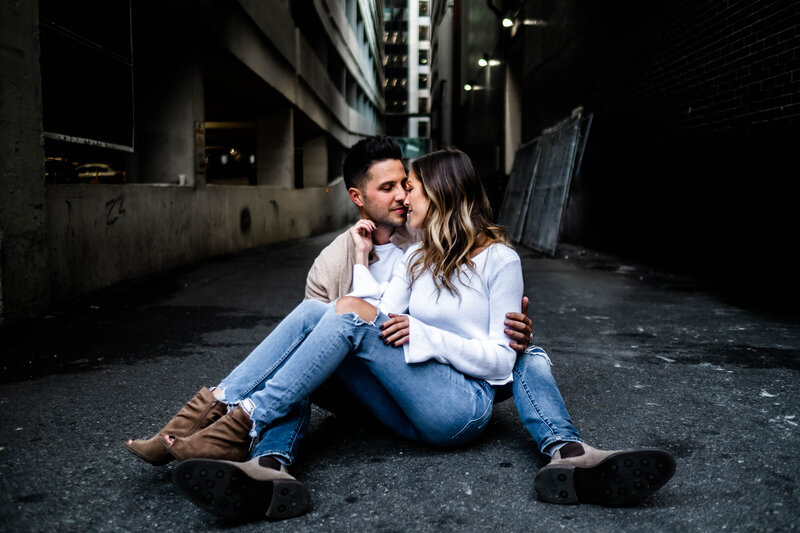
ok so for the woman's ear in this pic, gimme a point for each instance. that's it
(356, 195)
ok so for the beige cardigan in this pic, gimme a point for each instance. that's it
(331, 275)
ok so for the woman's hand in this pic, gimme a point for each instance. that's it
(361, 233)
(395, 330)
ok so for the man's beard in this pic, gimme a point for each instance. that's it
(390, 219)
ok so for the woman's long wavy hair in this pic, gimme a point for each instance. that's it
(458, 215)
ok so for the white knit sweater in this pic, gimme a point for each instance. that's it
(465, 330)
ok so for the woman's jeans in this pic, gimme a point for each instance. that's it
(428, 402)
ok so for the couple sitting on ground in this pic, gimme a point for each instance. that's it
(408, 313)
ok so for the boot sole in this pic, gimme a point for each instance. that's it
(223, 489)
(624, 478)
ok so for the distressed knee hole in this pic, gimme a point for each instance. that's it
(218, 393)
(351, 304)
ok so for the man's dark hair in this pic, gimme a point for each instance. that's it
(366, 152)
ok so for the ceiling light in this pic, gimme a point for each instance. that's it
(507, 22)
(534, 22)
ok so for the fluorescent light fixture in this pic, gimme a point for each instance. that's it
(534, 22)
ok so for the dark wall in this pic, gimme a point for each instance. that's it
(691, 161)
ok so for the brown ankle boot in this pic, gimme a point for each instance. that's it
(259, 488)
(199, 413)
(227, 438)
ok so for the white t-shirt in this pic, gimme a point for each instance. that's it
(388, 256)
(464, 330)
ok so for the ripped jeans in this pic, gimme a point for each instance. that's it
(429, 402)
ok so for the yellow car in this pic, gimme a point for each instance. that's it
(100, 173)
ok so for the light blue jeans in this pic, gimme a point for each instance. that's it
(539, 403)
(428, 402)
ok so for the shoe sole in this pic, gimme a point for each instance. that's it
(623, 478)
(223, 489)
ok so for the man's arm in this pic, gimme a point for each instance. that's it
(519, 328)
(315, 289)
(331, 274)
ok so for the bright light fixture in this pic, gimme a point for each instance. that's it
(507, 22)
(467, 87)
(482, 62)
(534, 22)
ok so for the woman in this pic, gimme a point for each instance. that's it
(432, 342)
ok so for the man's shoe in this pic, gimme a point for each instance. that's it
(259, 488)
(579, 473)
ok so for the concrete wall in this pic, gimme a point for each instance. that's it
(293, 67)
(23, 223)
(58, 241)
(168, 94)
(101, 234)
(275, 148)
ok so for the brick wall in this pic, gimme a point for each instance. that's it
(691, 160)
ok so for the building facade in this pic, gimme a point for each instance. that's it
(407, 46)
(150, 135)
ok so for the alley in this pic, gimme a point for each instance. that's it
(642, 358)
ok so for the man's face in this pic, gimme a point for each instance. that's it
(383, 194)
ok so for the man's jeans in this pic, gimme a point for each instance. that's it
(538, 401)
(428, 402)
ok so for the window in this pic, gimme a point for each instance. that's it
(423, 57)
(423, 8)
(87, 91)
(422, 129)
(423, 81)
(423, 104)
(230, 150)
(396, 106)
(423, 33)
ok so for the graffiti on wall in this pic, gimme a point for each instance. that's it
(115, 208)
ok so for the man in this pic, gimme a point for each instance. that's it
(375, 175)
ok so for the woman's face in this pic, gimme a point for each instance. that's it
(416, 201)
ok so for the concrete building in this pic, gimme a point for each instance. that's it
(407, 66)
(696, 117)
(471, 103)
(139, 136)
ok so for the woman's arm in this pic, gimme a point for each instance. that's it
(489, 357)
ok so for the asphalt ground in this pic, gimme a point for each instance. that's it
(643, 358)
